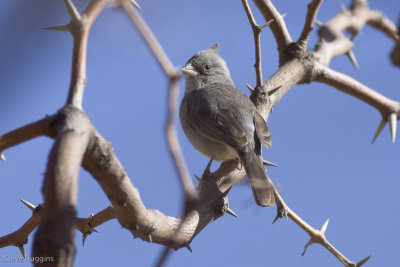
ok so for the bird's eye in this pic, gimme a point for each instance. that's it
(208, 67)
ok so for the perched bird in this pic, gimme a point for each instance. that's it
(222, 123)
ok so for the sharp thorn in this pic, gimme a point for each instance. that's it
(150, 238)
(135, 4)
(306, 246)
(94, 230)
(189, 248)
(22, 250)
(393, 125)
(319, 23)
(352, 58)
(72, 11)
(197, 178)
(284, 15)
(28, 205)
(2, 157)
(362, 262)
(230, 212)
(276, 218)
(379, 130)
(83, 239)
(251, 89)
(268, 163)
(272, 91)
(207, 170)
(324, 226)
(62, 28)
(266, 24)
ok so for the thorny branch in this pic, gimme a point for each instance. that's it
(173, 75)
(304, 67)
(95, 154)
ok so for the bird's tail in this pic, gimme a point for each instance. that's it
(263, 189)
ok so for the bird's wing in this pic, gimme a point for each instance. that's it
(222, 128)
(262, 129)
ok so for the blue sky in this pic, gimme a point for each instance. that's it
(321, 137)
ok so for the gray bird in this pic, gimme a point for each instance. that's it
(222, 123)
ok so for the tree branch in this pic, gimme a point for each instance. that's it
(79, 27)
(309, 23)
(23, 134)
(278, 27)
(257, 29)
(174, 76)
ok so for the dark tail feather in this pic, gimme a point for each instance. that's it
(260, 183)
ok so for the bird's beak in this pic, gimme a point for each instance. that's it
(189, 71)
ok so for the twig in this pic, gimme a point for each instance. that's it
(25, 133)
(350, 86)
(150, 39)
(79, 28)
(278, 27)
(359, 14)
(85, 225)
(389, 109)
(309, 23)
(174, 76)
(256, 33)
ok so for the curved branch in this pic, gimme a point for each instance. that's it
(55, 235)
(79, 27)
(309, 23)
(351, 20)
(278, 26)
(24, 133)
(348, 85)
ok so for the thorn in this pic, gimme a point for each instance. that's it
(379, 130)
(251, 89)
(393, 125)
(72, 11)
(28, 205)
(310, 242)
(21, 248)
(352, 58)
(207, 170)
(230, 212)
(197, 178)
(62, 28)
(324, 226)
(94, 230)
(266, 24)
(83, 239)
(189, 248)
(150, 238)
(276, 218)
(284, 15)
(319, 23)
(135, 4)
(268, 163)
(2, 157)
(272, 91)
(362, 262)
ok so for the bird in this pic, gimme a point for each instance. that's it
(222, 123)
